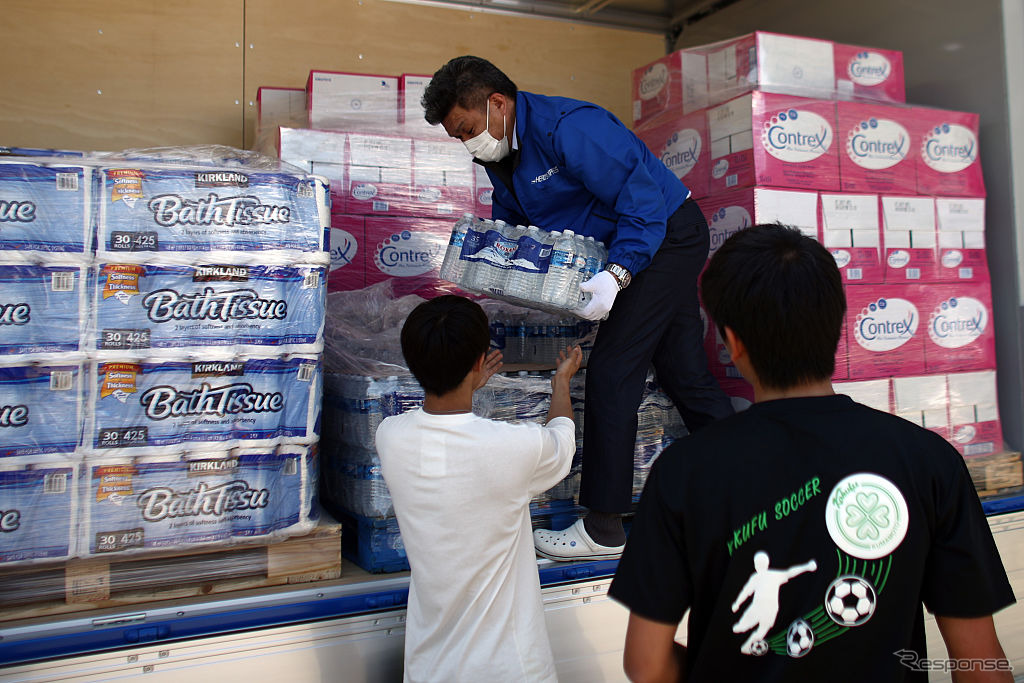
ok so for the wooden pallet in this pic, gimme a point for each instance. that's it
(94, 583)
(996, 473)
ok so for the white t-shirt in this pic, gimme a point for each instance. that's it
(461, 486)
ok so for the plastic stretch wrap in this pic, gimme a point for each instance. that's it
(698, 77)
(188, 365)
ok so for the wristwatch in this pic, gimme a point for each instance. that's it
(622, 276)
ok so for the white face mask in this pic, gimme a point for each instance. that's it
(484, 146)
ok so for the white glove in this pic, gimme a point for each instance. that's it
(603, 288)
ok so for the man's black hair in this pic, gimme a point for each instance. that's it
(466, 81)
(442, 339)
(781, 293)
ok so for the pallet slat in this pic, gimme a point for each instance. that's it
(96, 583)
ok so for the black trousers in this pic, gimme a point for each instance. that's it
(654, 320)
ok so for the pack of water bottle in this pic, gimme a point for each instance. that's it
(525, 265)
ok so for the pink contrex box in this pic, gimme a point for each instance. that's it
(946, 151)
(876, 153)
(378, 177)
(974, 423)
(410, 251)
(884, 329)
(869, 73)
(958, 320)
(874, 393)
(730, 212)
(923, 400)
(676, 83)
(909, 239)
(962, 255)
(775, 140)
(483, 191)
(442, 179)
(348, 258)
(350, 101)
(850, 231)
(681, 142)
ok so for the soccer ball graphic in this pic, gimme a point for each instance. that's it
(759, 648)
(799, 638)
(850, 600)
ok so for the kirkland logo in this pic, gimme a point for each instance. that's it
(796, 136)
(221, 179)
(957, 322)
(886, 324)
(682, 152)
(653, 81)
(877, 144)
(949, 148)
(869, 68)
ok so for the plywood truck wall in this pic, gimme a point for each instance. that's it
(105, 75)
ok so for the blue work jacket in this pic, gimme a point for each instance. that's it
(580, 168)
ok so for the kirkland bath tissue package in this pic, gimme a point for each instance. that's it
(38, 510)
(256, 308)
(147, 212)
(157, 406)
(178, 501)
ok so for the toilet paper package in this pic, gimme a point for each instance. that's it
(38, 510)
(250, 308)
(43, 308)
(201, 497)
(974, 422)
(44, 208)
(960, 335)
(41, 406)
(155, 406)
(885, 330)
(153, 212)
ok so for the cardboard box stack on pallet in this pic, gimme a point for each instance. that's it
(160, 379)
(817, 135)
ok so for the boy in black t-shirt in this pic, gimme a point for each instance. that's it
(804, 533)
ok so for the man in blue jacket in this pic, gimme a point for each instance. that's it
(565, 164)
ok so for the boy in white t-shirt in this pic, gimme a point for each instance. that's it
(461, 487)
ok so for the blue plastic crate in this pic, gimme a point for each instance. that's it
(373, 544)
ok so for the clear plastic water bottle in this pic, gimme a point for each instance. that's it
(530, 260)
(562, 271)
(593, 257)
(478, 273)
(453, 267)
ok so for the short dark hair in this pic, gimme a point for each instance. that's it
(466, 81)
(442, 339)
(781, 293)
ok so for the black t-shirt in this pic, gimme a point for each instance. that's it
(803, 535)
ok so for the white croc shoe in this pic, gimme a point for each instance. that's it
(573, 543)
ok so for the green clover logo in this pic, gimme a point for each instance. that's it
(867, 515)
